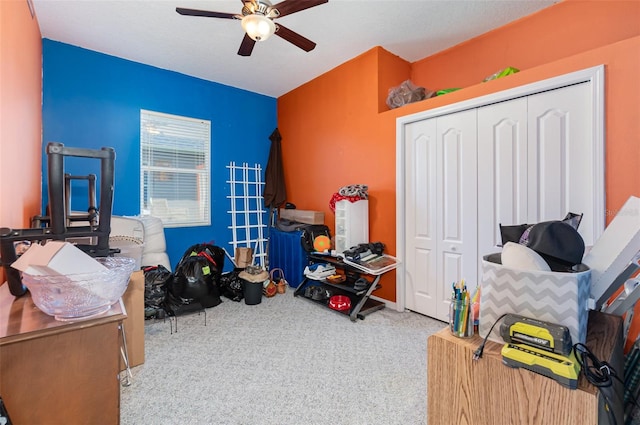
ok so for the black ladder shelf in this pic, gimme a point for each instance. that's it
(361, 303)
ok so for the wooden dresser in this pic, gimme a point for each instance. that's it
(54, 372)
(462, 391)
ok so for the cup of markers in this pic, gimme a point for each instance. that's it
(461, 312)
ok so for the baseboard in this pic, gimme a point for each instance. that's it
(387, 303)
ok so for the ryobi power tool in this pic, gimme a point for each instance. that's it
(541, 347)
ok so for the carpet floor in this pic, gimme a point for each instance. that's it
(283, 361)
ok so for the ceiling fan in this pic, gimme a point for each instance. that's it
(257, 20)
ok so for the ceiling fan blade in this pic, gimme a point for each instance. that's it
(295, 38)
(205, 13)
(246, 47)
(288, 7)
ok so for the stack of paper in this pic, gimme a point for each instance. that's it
(56, 258)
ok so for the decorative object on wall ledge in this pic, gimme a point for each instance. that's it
(445, 91)
(406, 93)
(257, 20)
(502, 73)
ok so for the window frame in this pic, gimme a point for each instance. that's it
(175, 141)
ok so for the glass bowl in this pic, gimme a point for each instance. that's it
(82, 295)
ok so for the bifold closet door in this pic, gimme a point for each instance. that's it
(525, 158)
(440, 210)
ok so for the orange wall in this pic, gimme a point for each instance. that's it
(330, 138)
(335, 141)
(20, 115)
(562, 30)
(333, 135)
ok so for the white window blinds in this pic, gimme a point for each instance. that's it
(175, 169)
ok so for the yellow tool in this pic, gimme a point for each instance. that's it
(536, 333)
(541, 347)
(563, 369)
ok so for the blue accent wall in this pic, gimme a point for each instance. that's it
(92, 100)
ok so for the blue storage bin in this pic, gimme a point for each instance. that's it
(286, 253)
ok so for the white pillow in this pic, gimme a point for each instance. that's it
(520, 257)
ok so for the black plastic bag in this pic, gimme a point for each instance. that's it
(156, 282)
(214, 254)
(174, 305)
(197, 277)
(196, 280)
(231, 286)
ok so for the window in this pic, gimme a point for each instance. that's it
(175, 168)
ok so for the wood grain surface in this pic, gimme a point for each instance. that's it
(463, 391)
(54, 372)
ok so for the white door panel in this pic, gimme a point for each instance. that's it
(561, 162)
(502, 171)
(457, 204)
(420, 216)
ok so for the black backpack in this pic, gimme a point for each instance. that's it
(310, 232)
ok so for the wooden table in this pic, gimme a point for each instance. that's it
(463, 391)
(54, 372)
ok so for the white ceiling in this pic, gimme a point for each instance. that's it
(151, 32)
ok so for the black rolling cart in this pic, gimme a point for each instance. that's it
(358, 286)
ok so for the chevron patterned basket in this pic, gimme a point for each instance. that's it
(554, 297)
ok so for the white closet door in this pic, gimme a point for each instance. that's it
(516, 158)
(420, 217)
(561, 163)
(456, 204)
(502, 171)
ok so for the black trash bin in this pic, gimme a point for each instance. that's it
(252, 292)
(253, 279)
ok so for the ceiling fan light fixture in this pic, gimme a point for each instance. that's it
(258, 27)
